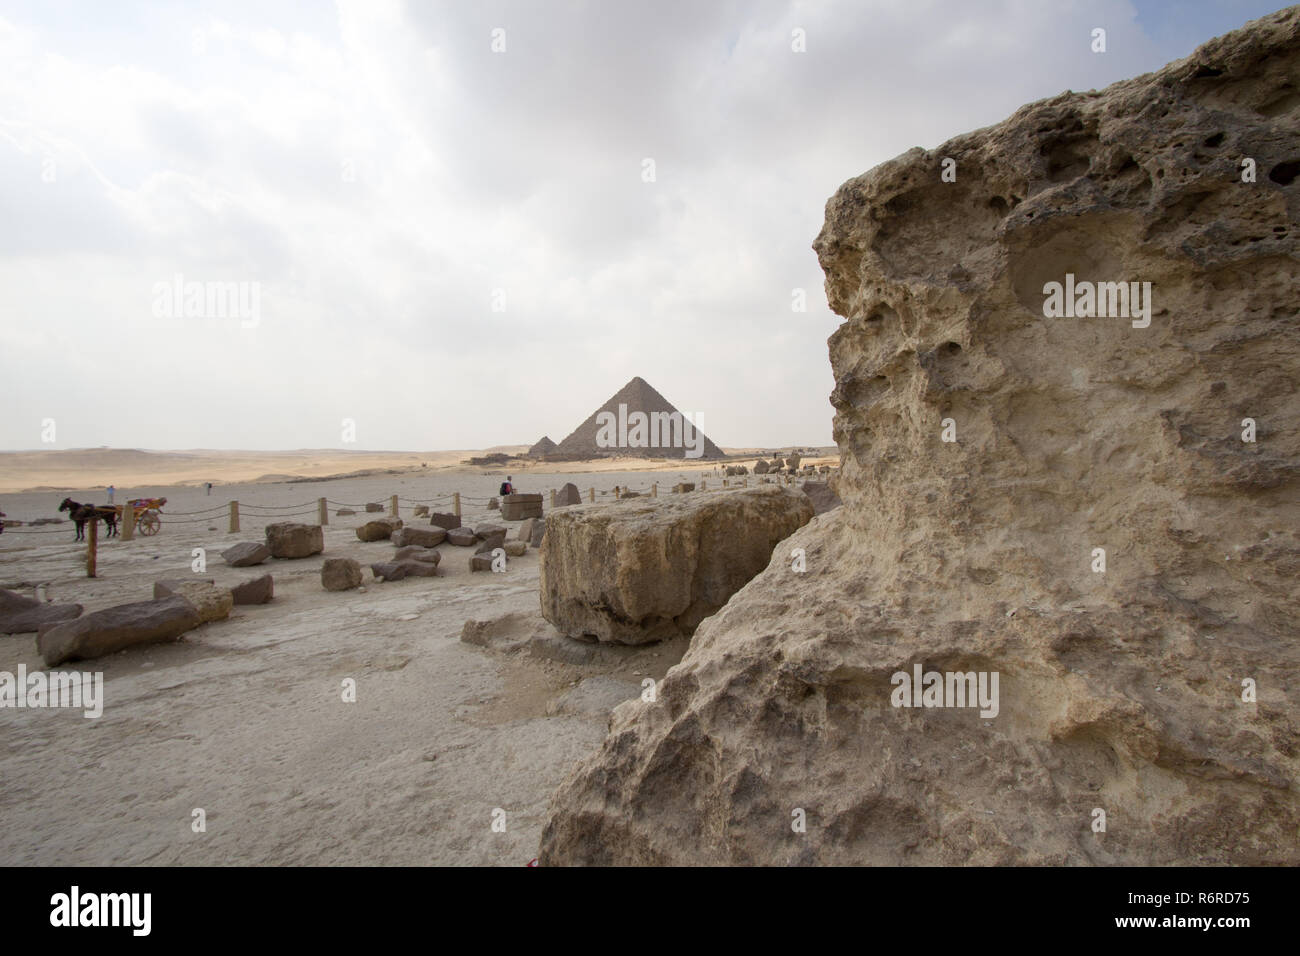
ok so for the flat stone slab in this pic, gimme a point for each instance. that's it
(246, 554)
(424, 537)
(462, 537)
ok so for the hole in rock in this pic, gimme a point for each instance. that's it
(1284, 174)
(998, 205)
(1204, 72)
(1213, 141)
(952, 348)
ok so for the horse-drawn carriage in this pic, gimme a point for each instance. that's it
(145, 512)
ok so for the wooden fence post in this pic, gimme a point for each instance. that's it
(591, 495)
(92, 545)
(704, 485)
(392, 506)
(654, 489)
(455, 503)
(552, 498)
(128, 521)
(324, 511)
(234, 516)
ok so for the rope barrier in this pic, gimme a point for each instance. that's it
(203, 512)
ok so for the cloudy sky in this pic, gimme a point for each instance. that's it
(456, 246)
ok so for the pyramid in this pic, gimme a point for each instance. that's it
(650, 433)
(544, 447)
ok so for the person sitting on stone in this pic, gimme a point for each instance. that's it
(506, 487)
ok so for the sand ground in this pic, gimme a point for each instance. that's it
(244, 718)
(97, 468)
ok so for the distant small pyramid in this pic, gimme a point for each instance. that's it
(643, 428)
(542, 448)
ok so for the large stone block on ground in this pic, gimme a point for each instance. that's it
(257, 590)
(640, 571)
(289, 539)
(518, 507)
(462, 537)
(445, 520)
(568, 495)
(213, 603)
(115, 628)
(245, 554)
(340, 574)
(380, 529)
(20, 614)
(423, 537)
(494, 540)
(973, 559)
(416, 553)
(480, 562)
(399, 570)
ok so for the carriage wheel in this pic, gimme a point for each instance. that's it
(148, 523)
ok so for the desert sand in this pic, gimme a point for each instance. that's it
(244, 718)
(96, 468)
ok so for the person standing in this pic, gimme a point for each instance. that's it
(111, 491)
(209, 488)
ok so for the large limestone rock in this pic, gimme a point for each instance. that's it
(379, 530)
(20, 614)
(424, 537)
(462, 537)
(288, 539)
(445, 520)
(340, 574)
(213, 603)
(417, 553)
(115, 628)
(641, 571)
(568, 495)
(245, 554)
(1120, 690)
(521, 507)
(257, 590)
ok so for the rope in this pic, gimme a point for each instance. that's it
(203, 512)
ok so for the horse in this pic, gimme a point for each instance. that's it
(82, 513)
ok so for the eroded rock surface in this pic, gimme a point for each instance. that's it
(1121, 690)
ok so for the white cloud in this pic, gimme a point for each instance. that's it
(381, 171)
